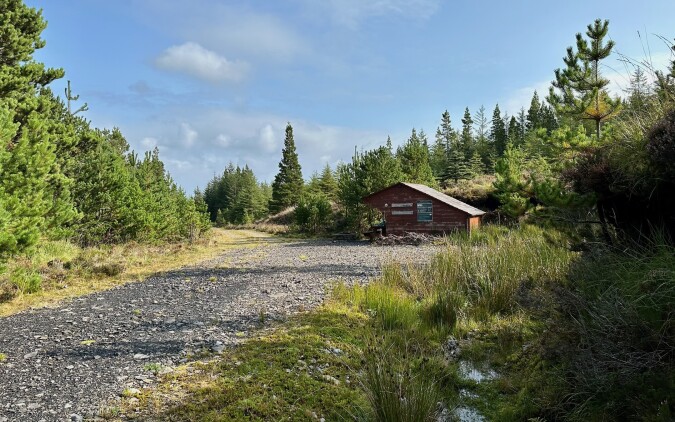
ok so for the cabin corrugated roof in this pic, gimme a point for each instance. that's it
(446, 199)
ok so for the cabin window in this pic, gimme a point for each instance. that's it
(424, 211)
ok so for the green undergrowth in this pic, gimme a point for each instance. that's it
(545, 334)
(60, 270)
(304, 369)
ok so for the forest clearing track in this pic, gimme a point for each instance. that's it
(63, 363)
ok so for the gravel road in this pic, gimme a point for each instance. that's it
(63, 363)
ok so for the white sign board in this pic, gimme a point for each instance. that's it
(402, 205)
(401, 213)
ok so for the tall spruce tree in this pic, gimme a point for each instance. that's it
(498, 134)
(579, 90)
(476, 166)
(466, 137)
(533, 113)
(515, 131)
(522, 123)
(457, 167)
(438, 156)
(288, 183)
(483, 145)
(327, 183)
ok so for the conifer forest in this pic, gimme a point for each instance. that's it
(563, 302)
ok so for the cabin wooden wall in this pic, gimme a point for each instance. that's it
(445, 218)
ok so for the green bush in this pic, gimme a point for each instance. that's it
(313, 213)
(620, 317)
(26, 281)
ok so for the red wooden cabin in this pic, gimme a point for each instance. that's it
(410, 207)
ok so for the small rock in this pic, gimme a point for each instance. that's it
(33, 406)
(76, 418)
(451, 349)
(30, 355)
(217, 348)
(140, 356)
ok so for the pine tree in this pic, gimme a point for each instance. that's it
(483, 146)
(108, 195)
(515, 132)
(476, 166)
(288, 183)
(533, 117)
(27, 171)
(438, 158)
(639, 90)
(414, 159)
(522, 124)
(457, 168)
(446, 130)
(367, 173)
(498, 134)
(327, 183)
(466, 138)
(312, 187)
(548, 119)
(579, 90)
(20, 76)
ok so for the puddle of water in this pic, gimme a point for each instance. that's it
(468, 371)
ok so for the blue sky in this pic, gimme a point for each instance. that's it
(210, 82)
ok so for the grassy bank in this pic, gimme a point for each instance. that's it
(61, 270)
(377, 352)
(508, 324)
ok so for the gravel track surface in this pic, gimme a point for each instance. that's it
(63, 363)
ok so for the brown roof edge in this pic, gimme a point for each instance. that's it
(433, 193)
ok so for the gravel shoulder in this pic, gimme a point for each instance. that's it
(62, 363)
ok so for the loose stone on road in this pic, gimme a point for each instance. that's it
(63, 363)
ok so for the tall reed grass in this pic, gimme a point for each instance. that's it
(479, 275)
(395, 391)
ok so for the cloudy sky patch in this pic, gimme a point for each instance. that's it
(194, 60)
(210, 82)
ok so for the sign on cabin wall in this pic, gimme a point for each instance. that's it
(402, 205)
(402, 212)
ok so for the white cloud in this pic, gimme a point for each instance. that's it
(193, 59)
(223, 141)
(188, 135)
(244, 138)
(149, 143)
(228, 28)
(267, 139)
(179, 164)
